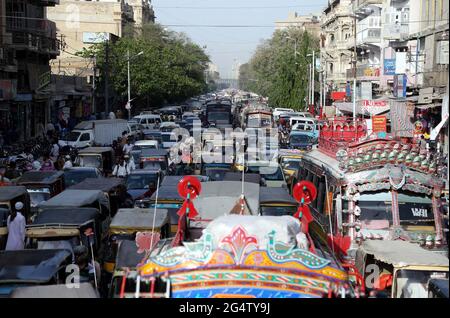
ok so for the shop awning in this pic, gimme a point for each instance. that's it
(362, 110)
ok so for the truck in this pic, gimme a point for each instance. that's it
(219, 114)
(95, 132)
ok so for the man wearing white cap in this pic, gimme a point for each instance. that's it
(16, 229)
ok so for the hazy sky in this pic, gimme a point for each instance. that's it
(228, 46)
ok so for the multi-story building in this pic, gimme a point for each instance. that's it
(310, 23)
(336, 36)
(80, 24)
(28, 42)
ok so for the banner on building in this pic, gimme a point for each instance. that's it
(338, 95)
(8, 89)
(366, 90)
(389, 66)
(400, 81)
(379, 123)
(401, 60)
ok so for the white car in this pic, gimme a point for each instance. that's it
(148, 121)
(278, 111)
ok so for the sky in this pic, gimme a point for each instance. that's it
(229, 46)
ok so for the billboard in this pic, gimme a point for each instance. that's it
(389, 66)
(400, 81)
(95, 37)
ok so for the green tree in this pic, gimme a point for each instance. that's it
(275, 71)
(171, 68)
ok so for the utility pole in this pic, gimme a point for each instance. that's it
(355, 56)
(129, 85)
(313, 67)
(93, 84)
(106, 78)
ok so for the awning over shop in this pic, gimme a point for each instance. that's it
(362, 109)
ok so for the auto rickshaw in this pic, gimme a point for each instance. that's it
(84, 290)
(154, 158)
(109, 186)
(10, 195)
(438, 288)
(66, 228)
(126, 223)
(31, 268)
(399, 269)
(96, 157)
(83, 199)
(215, 171)
(3, 228)
(127, 260)
(290, 159)
(168, 198)
(276, 202)
(42, 185)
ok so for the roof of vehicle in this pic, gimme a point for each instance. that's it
(127, 255)
(84, 290)
(75, 198)
(402, 253)
(102, 184)
(74, 169)
(147, 116)
(139, 219)
(219, 198)
(145, 171)
(8, 193)
(89, 124)
(145, 142)
(275, 195)
(168, 124)
(154, 152)
(95, 150)
(168, 189)
(237, 176)
(64, 216)
(30, 265)
(44, 177)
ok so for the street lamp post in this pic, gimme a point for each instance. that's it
(129, 80)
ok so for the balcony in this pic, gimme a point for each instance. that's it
(359, 4)
(368, 30)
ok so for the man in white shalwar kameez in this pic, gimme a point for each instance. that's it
(16, 229)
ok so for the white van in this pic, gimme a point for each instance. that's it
(148, 121)
(300, 119)
(278, 111)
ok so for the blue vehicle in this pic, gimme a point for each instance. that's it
(302, 140)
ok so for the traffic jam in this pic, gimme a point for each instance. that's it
(219, 197)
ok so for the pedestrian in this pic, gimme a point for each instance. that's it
(68, 163)
(85, 265)
(54, 152)
(130, 163)
(124, 139)
(127, 147)
(47, 164)
(16, 229)
(121, 169)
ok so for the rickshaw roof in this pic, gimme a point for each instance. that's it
(237, 176)
(8, 193)
(102, 184)
(37, 266)
(439, 286)
(218, 198)
(402, 253)
(174, 180)
(95, 150)
(275, 195)
(320, 159)
(84, 290)
(140, 219)
(65, 216)
(127, 255)
(44, 177)
(167, 192)
(75, 198)
(153, 152)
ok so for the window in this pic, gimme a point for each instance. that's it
(85, 137)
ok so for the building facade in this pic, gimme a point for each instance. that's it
(310, 23)
(28, 42)
(336, 39)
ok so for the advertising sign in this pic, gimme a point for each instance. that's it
(95, 37)
(400, 81)
(379, 124)
(389, 66)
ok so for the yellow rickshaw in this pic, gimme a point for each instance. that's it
(290, 159)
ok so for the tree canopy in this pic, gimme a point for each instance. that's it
(171, 68)
(276, 72)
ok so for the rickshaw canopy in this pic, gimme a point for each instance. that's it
(95, 150)
(275, 195)
(40, 177)
(102, 184)
(75, 217)
(31, 266)
(137, 219)
(127, 255)
(76, 198)
(84, 290)
(9, 193)
(401, 254)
